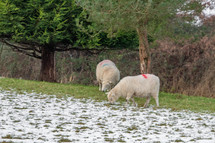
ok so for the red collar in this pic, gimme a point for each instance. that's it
(144, 75)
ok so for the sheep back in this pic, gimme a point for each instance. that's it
(107, 72)
(141, 86)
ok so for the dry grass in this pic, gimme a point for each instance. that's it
(188, 68)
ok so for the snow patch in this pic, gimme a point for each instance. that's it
(45, 118)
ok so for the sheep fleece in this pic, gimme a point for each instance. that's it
(106, 73)
(145, 85)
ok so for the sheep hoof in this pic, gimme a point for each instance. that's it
(145, 106)
(156, 107)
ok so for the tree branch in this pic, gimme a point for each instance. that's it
(35, 51)
(62, 48)
(32, 51)
(32, 54)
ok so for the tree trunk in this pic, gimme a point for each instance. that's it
(144, 53)
(1, 49)
(47, 72)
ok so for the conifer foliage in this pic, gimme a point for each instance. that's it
(39, 28)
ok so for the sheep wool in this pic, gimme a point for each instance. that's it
(107, 75)
(145, 85)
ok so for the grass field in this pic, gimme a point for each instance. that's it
(167, 100)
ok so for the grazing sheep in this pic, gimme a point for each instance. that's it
(107, 75)
(145, 85)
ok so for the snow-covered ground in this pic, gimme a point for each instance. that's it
(45, 118)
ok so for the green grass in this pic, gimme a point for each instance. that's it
(167, 100)
(60, 90)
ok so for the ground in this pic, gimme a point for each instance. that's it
(44, 118)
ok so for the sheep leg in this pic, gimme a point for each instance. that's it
(155, 96)
(134, 102)
(147, 101)
(100, 86)
(127, 99)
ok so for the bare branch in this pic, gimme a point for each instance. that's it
(32, 51)
(32, 54)
(35, 51)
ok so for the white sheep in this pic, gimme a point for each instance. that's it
(107, 75)
(145, 85)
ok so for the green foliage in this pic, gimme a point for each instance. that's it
(42, 22)
(121, 40)
(55, 22)
(87, 32)
(193, 7)
(182, 26)
(128, 15)
(64, 22)
(179, 30)
(161, 18)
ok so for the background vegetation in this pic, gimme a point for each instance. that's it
(187, 69)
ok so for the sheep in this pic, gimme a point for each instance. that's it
(107, 75)
(145, 85)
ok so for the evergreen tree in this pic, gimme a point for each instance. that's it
(39, 28)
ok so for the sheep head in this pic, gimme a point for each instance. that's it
(112, 97)
(106, 85)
